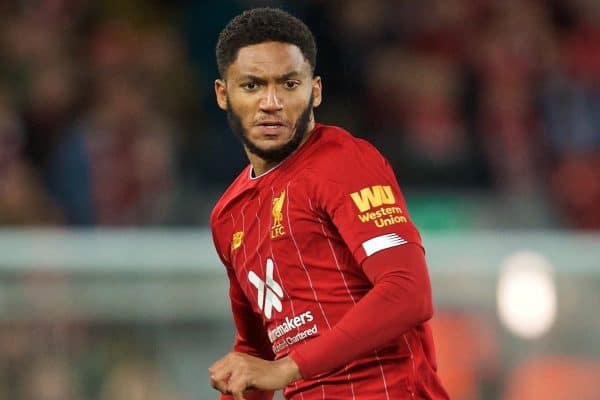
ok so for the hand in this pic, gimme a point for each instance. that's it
(237, 372)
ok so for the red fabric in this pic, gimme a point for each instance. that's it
(297, 244)
(400, 300)
(250, 338)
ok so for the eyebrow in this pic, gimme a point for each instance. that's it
(280, 78)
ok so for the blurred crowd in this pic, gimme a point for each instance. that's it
(91, 112)
(107, 113)
(107, 117)
(68, 361)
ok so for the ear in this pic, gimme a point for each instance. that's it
(317, 89)
(221, 93)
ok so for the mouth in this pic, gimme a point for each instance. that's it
(271, 123)
(271, 127)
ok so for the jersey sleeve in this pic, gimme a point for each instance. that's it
(250, 335)
(365, 203)
(400, 286)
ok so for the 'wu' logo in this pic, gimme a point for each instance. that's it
(373, 196)
(269, 291)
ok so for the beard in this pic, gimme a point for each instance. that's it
(276, 154)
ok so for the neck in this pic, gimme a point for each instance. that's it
(260, 165)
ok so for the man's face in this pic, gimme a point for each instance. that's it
(269, 93)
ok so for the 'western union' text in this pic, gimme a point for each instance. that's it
(385, 216)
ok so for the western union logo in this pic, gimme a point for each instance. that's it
(372, 203)
(373, 196)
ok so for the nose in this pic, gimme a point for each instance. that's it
(271, 101)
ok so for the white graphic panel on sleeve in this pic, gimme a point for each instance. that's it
(382, 242)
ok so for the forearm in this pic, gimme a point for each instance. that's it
(399, 301)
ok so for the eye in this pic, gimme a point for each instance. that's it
(291, 84)
(250, 86)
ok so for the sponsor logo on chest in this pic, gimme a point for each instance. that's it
(268, 291)
(289, 329)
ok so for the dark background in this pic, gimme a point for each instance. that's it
(107, 111)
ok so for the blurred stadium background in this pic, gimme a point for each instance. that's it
(112, 153)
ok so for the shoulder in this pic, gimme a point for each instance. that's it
(229, 196)
(337, 141)
(339, 155)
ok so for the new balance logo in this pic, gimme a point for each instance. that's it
(270, 292)
(373, 196)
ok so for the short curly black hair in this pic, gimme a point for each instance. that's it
(260, 25)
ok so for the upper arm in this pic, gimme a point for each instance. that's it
(366, 206)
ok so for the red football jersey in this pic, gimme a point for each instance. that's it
(293, 241)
